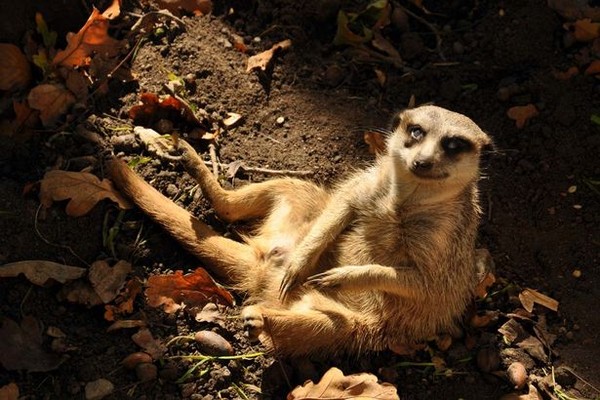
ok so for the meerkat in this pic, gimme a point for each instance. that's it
(384, 259)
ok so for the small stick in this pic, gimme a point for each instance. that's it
(212, 150)
(267, 171)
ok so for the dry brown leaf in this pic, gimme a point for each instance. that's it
(155, 109)
(126, 324)
(124, 301)
(210, 313)
(529, 297)
(593, 68)
(39, 272)
(376, 142)
(52, 100)
(77, 83)
(146, 341)
(512, 331)
(484, 320)
(481, 290)
(575, 9)
(80, 292)
(262, 60)
(534, 347)
(193, 290)
(113, 11)
(21, 347)
(334, 385)
(83, 189)
(107, 281)
(197, 7)
(15, 71)
(9, 392)
(585, 30)
(566, 75)
(522, 114)
(92, 38)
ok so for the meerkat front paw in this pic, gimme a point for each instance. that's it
(253, 322)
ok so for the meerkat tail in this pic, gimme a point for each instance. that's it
(224, 257)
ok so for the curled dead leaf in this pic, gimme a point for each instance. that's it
(52, 100)
(82, 189)
(126, 324)
(39, 272)
(566, 75)
(197, 7)
(113, 11)
(15, 71)
(262, 60)
(193, 290)
(92, 38)
(522, 114)
(334, 385)
(80, 292)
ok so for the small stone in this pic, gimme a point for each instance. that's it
(564, 377)
(125, 142)
(570, 335)
(576, 273)
(98, 389)
(146, 372)
(517, 374)
(458, 48)
(488, 359)
(333, 76)
(172, 190)
(572, 189)
(280, 121)
(213, 344)
(256, 40)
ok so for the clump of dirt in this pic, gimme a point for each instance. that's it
(309, 112)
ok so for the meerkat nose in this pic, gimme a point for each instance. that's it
(422, 165)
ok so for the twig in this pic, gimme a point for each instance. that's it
(438, 38)
(212, 150)
(62, 246)
(267, 171)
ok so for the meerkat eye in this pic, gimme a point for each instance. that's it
(416, 132)
(455, 145)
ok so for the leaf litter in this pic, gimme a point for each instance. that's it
(41, 272)
(82, 189)
(21, 347)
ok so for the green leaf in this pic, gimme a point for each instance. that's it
(595, 118)
(49, 37)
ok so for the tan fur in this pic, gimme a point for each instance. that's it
(384, 259)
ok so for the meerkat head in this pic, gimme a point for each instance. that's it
(431, 144)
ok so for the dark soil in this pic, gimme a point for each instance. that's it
(537, 230)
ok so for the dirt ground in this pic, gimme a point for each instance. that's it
(542, 215)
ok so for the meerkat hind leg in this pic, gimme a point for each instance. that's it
(302, 331)
(254, 200)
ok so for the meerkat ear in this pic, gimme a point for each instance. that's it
(412, 102)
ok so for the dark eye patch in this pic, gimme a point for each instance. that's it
(456, 145)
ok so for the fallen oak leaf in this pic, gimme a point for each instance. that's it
(52, 100)
(521, 114)
(21, 347)
(193, 290)
(15, 71)
(584, 30)
(593, 68)
(197, 7)
(124, 301)
(334, 385)
(39, 272)
(529, 297)
(146, 341)
(113, 11)
(82, 189)
(262, 60)
(92, 38)
(80, 292)
(9, 392)
(107, 281)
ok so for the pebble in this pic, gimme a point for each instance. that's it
(98, 389)
(517, 374)
(132, 360)
(213, 344)
(458, 48)
(172, 190)
(488, 359)
(280, 121)
(124, 142)
(146, 372)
